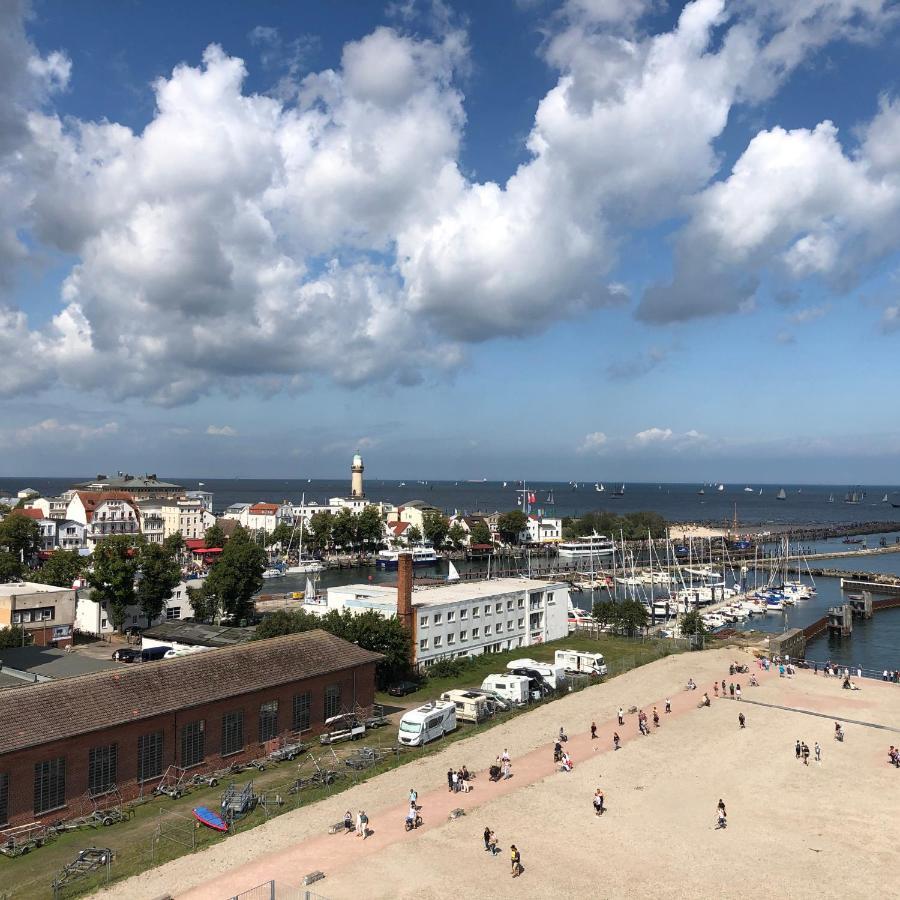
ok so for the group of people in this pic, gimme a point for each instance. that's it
(894, 756)
(888, 675)
(801, 751)
(458, 780)
(362, 823)
(502, 767)
(490, 846)
(599, 808)
(733, 691)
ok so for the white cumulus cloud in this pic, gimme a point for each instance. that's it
(221, 430)
(593, 442)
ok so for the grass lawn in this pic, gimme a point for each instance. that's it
(29, 877)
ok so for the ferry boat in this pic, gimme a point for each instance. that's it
(422, 555)
(596, 545)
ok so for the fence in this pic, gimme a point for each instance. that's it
(277, 891)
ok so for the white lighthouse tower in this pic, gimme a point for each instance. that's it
(356, 477)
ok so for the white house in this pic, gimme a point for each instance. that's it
(194, 518)
(91, 617)
(542, 530)
(71, 535)
(104, 513)
(51, 507)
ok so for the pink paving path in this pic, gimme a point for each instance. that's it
(330, 853)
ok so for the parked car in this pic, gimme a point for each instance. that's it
(126, 654)
(402, 688)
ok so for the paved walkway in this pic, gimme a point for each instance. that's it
(330, 853)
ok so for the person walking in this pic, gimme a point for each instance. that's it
(365, 824)
(449, 780)
(348, 822)
(516, 860)
(616, 740)
(593, 731)
(490, 841)
(621, 716)
(731, 690)
(737, 691)
(721, 819)
(797, 749)
(655, 718)
(598, 802)
(668, 705)
(413, 798)
(818, 752)
(359, 826)
(723, 687)
(741, 720)
(507, 769)
(716, 688)
(805, 754)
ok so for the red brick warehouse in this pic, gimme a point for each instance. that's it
(63, 742)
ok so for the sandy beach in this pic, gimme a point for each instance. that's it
(822, 830)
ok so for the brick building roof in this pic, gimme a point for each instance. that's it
(57, 710)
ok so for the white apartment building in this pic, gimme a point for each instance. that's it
(542, 530)
(104, 514)
(194, 518)
(91, 616)
(467, 618)
(51, 507)
(70, 535)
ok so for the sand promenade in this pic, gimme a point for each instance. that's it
(823, 830)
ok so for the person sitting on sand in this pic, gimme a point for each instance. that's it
(706, 699)
(566, 763)
(690, 686)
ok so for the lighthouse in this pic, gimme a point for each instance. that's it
(356, 478)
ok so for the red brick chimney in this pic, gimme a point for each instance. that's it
(404, 596)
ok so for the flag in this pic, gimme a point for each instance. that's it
(531, 498)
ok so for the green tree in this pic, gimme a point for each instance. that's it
(215, 536)
(236, 576)
(282, 534)
(20, 536)
(692, 623)
(319, 530)
(174, 545)
(11, 568)
(158, 576)
(5, 509)
(370, 527)
(114, 565)
(511, 525)
(631, 617)
(204, 603)
(343, 529)
(457, 535)
(14, 637)
(436, 527)
(285, 621)
(413, 535)
(604, 612)
(61, 569)
(480, 533)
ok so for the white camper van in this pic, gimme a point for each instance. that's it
(471, 706)
(510, 687)
(427, 723)
(581, 661)
(554, 676)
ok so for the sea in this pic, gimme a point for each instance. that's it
(804, 504)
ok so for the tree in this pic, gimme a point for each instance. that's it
(61, 569)
(631, 617)
(413, 535)
(370, 527)
(285, 621)
(319, 530)
(236, 576)
(511, 525)
(174, 545)
(343, 529)
(604, 612)
(114, 565)
(159, 575)
(282, 534)
(480, 533)
(692, 623)
(20, 536)
(435, 526)
(14, 637)
(204, 603)
(457, 535)
(215, 536)
(11, 568)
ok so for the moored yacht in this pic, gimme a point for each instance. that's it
(596, 545)
(422, 555)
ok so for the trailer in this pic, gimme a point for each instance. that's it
(343, 727)
(289, 750)
(24, 838)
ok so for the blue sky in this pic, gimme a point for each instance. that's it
(578, 239)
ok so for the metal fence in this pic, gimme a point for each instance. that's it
(272, 890)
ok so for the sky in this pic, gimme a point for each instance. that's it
(554, 239)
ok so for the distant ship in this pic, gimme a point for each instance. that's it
(599, 487)
(749, 490)
(720, 488)
(781, 495)
(701, 491)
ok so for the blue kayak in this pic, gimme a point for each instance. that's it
(210, 819)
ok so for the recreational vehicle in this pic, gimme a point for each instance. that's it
(471, 706)
(554, 676)
(427, 723)
(513, 688)
(581, 661)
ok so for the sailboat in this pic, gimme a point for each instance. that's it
(831, 498)
(701, 491)
(720, 488)
(884, 499)
(781, 495)
(599, 488)
(453, 574)
(549, 497)
(620, 492)
(760, 492)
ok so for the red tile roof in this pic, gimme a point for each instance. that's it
(195, 544)
(263, 509)
(399, 527)
(57, 710)
(92, 499)
(28, 513)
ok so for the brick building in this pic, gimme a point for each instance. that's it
(63, 742)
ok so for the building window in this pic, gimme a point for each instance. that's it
(192, 744)
(150, 755)
(268, 721)
(509, 605)
(509, 624)
(438, 640)
(476, 633)
(499, 627)
(463, 614)
(464, 635)
(232, 732)
(102, 768)
(437, 618)
(499, 607)
(451, 615)
(301, 719)
(487, 630)
(423, 621)
(173, 612)
(487, 609)
(49, 785)
(522, 622)
(332, 700)
(451, 638)
(521, 603)
(423, 644)
(4, 799)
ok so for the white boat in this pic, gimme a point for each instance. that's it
(599, 487)
(273, 572)
(720, 487)
(305, 566)
(749, 490)
(422, 555)
(781, 495)
(596, 545)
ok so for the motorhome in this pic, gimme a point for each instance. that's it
(581, 661)
(427, 723)
(554, 676)
(471, 706)
(513, 688)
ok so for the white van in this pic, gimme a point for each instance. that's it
(471, 706)
(581, 661)
(554, 676)
(427, 723)
(510, 687)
